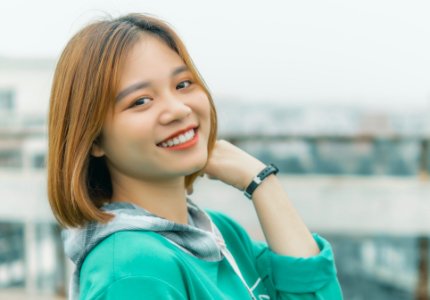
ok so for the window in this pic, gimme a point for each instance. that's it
(10, 158)
(38, 161)
(7, 100)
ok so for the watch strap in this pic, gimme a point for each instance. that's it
(257, 180)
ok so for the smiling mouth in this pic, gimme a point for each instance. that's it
(178, 140)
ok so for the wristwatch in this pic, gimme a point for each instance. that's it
(268, 170)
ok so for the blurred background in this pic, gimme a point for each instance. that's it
(336, 93)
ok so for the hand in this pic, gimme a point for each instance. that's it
(232, 165)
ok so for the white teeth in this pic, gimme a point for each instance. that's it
(185, 137)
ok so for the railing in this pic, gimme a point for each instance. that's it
(423, 141)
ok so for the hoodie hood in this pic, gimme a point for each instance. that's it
(200, 237)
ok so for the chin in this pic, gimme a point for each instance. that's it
(198, 164)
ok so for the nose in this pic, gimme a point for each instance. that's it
(174, 110)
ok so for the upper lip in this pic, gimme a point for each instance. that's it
(178, 133)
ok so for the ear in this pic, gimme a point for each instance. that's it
(97, 150)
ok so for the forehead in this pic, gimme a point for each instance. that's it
(149, 57)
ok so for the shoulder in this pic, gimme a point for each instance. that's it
(127, 254)
(225, 223)
(123, 250)
(232, 231)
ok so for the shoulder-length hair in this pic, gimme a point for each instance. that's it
(84, 86)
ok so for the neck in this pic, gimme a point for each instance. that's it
(166, 199)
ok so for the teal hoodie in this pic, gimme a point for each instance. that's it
(140, 264)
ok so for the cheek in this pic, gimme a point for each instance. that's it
(126, 134)
(206, 108)
(205, 116)
(203, 106)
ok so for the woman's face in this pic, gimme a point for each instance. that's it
(157, 99)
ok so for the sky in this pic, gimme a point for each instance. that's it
(372, 53)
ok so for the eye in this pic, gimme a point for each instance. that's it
(141, 101)
(184, 84)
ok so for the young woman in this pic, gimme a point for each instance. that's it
(131, 126)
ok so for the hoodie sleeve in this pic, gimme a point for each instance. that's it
(141, 287)
(293, 278)
(287, 277)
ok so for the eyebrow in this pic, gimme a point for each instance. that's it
(141, 85)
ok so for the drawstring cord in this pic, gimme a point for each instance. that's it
(233, 264)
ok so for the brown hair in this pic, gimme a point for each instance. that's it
(84, 87)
